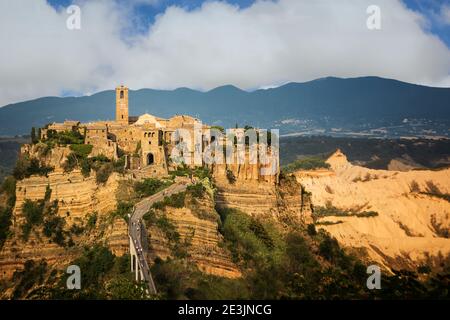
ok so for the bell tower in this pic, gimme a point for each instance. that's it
(122, 105)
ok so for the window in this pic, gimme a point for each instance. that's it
(150, 159)
(121, 94)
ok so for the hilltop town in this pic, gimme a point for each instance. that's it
(142, 194)
(146, 141)
(76, 184)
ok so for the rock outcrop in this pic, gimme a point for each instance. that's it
(78, 197)
(412, 223)
(197, 227)
(285, 201)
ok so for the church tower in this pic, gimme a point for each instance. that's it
(122, 105)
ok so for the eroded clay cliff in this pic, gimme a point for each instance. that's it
(411, 228)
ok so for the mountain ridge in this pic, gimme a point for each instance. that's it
(349, 98)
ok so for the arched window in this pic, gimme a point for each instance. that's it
(121, 94)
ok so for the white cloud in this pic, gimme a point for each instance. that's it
(266, 44)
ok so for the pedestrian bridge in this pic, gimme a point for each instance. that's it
(138, 235)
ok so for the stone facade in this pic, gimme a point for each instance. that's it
(148, 141)
(67, 125)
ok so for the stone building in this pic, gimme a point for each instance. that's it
(146, 141)
(68, 125)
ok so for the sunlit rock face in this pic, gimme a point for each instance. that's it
(411, 224)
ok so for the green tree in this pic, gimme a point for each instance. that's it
(34, 137)
(124, 288)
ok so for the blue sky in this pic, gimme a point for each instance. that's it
(145, 13)
(430, 8)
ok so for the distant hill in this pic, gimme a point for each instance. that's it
(347, 99)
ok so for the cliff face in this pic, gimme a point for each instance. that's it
(78, 199)
(197, 227)
(247, 170)
(76, 194)
(284, 201)
(191, 230)
(413, 220)
(54, 157)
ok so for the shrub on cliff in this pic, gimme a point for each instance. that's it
(103, 276)
(85, 168)
(8, 186)
(32, 274)
(81, 150)
(119, 165)
(94, 262)
(230, 176)
(366, 214)
(34, 136)
(43, 213)
(185, 171)
(103, 173)
(414, 187)
(308, 163)
(169, 229)
(433, 190)
(122, 210)
(71, 162)
(175, 201)
(311, 229)
(196, 190)
(33, 214)
(122, 287)
(150, 186)
(54, 229)
(9, 189)
(176, 279)
(250, 239)
(53, 225)
(104, 168)
(102, 165)
(182, 171)
(63, 138)
(202, 173)
(331, 211)
(170, 232)
(26, 167)
(5, 223)
(91, 220)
